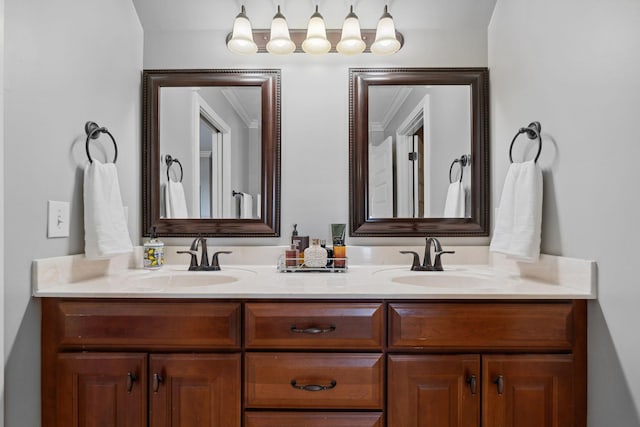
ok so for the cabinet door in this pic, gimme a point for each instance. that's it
(528, 391)
(433, 390)
(102, 390)
(194, 390)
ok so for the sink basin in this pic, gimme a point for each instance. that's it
(157, 282)
(444, 280)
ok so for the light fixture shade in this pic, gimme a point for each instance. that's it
(241, 40)
(351, 42)
(316, 42)
(280, 42)
(386, 42)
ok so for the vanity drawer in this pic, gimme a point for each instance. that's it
(314, 325)
(343, 381)
(481, 326)
(152, 325)
(313, 419)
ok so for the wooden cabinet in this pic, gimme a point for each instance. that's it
(433, 390)
(127, 379)
(528, 368)
(210, 363)
(101, 389)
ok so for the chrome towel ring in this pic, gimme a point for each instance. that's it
(533, 132)
(170, 161)
(93, 132)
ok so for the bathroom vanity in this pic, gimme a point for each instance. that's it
(364, 348)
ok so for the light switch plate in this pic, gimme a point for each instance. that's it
(58, 219)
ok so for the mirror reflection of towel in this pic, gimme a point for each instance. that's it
(454, 207)
(105, 228)
(176, 201)
(246, 206)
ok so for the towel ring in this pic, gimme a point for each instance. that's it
(464, 160)
(237, 193)
(533, 132)
(170, 161)
(93, 132)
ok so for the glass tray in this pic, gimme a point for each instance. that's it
(302, 268)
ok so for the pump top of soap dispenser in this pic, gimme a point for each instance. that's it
(295, 230)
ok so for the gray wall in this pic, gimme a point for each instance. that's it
(574, 66)
(315, 116)
(66, 62)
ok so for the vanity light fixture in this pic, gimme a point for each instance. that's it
(280, 42)
(241, 40)
(351, 42)
(316, 42)
(386, 42)
(316, 39)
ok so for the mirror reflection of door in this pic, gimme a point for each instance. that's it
(210, 170)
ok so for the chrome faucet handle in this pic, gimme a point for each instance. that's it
(215, 264)
(193, 265)
(415, 266)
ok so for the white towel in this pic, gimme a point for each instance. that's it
(519, 218)
(177, 202)
(105, 227)
(258, 206)
(246, 206)
(454, 207)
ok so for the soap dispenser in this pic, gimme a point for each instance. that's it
(153, 252)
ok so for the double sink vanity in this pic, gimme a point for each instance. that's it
(487, 342)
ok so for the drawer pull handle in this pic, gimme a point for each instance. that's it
(313, 387)
(157, 380)
(499, 381)
(472, 380)
(131, 378)
(313, 330)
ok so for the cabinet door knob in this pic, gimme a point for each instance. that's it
(472, 380)
(131, 378)
(157, 380)
(313, 387)
(313, 330)
(499, 381)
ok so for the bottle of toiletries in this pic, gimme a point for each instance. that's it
(339, 253)
(292, 256)
(303, 242)
(323, 244)
(153, 257)
(315, 256)
(339, 249)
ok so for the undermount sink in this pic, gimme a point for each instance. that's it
(157, 281)
(447, 279)
(444, 280)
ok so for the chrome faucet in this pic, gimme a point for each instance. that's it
(426, 262)
(201, 242)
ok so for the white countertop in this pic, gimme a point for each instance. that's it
(500, 278)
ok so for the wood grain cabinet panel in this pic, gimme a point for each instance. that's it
(194, 390)
(477, 326)
(101, 389)
(149, 325)
(528, 391)
(433, 390)
(314, 325)
(314, 419)
(313, 380)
